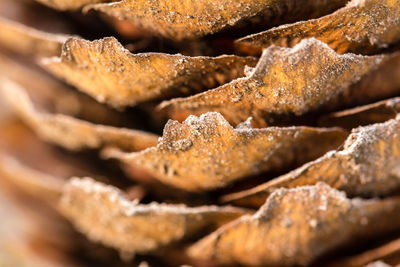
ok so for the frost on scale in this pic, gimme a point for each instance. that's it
(363, 26)
(378, 84)
(368, 165)
(69, 132)
(285, 81)
(206, 152)
(179, 20)
(107, 71)
(296, 226)
(104, 214)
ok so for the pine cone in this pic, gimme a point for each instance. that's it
(199, 133)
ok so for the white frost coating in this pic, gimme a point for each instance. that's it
(199, 125)
(310, 190)
(365, 135)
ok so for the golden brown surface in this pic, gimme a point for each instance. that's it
(376, 85)
(295, 226)
(285, 81)
(363, 26)
(108, 72)
(205, 153)
(105, 215)
(367, 165)
(179, 19)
